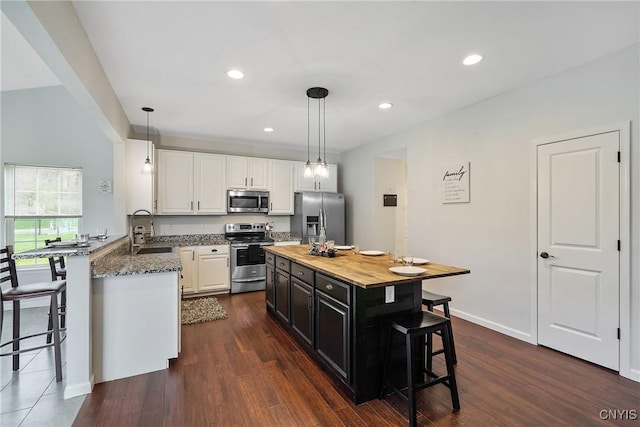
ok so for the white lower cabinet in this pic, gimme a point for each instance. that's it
(213, 268)
(205, 269)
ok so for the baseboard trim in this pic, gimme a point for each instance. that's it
(80, 389)
(632, 374)
(514, 333)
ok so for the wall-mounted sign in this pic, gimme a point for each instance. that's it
(389, 200)
(104, 186)
(455, 183)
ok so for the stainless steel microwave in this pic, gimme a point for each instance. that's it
(247, 201)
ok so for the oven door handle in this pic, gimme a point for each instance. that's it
(252, 279)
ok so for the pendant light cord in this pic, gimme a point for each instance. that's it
(319, 128)
(308, 128)
(324, 126)
(148, 142)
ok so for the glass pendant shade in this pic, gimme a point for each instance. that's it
(308, 170)
(147, 167)
(320, 168)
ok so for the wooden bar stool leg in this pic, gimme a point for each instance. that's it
(63, 309)
(56, 337)
(453, 345)
(448, 356)
(413, 419)
(16, 335)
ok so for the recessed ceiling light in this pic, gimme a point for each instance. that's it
(472, 59)
(235, 74)
(385, 105)
(268, 129)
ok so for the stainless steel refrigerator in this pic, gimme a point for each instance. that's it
(314, 210)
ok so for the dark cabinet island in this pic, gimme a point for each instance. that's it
(338, 308)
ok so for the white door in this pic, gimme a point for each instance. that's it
(578, 228)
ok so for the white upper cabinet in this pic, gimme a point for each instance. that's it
(140, 187)
(329, 184)
(247, 173)
(210, 184)
(191, 183)
(175, 182)
(280, 187)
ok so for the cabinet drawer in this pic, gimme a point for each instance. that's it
(213, 250)
(283, 264)
(333, 288)
(302, 273)
(270, 258)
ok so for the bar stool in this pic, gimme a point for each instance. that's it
(58, 272)
(413, 327)
(15, 294)
(433, 300)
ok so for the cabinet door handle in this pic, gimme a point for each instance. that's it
(214, 250)
(314, 185)
(192, 205)
(329, 287)
(319, 185)
(227, 262)
(245, 181)
(193, 256)
(198, 204)
(252, 181)
(301, 273)
(271, 206)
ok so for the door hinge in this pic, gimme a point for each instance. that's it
(618, 245)
(618, 157)
(618, 333)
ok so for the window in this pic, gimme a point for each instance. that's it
(41, 203)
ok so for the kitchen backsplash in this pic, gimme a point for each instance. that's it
(165, 225)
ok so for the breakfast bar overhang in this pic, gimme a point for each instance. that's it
(338, 308)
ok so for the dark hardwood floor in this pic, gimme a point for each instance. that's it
(247, 371)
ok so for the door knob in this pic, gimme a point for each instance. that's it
(545, 255)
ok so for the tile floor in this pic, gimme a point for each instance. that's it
(31, 396)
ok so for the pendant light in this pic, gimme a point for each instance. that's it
(147, 168)
(320, 168)
(308, 169)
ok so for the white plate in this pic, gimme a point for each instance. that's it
(408, 270)
(420, 261)
(342, 248)
(372, 253)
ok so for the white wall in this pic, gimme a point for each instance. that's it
(390, 221)
(491, 234)
(45, 126)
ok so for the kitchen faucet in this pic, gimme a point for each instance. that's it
(131, 224)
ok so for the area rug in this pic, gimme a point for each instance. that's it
(198, 310)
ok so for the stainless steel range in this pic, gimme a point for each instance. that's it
(248, 271)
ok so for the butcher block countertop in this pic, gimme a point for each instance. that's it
(361, 270)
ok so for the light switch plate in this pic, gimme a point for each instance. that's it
(389, 294)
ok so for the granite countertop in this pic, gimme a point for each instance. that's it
(94, 246)
(113, 257)
(283, 237)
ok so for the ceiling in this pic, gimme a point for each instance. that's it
(174, 56)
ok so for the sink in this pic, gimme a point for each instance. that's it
(157, 250)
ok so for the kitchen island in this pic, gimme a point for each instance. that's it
(339, 308)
